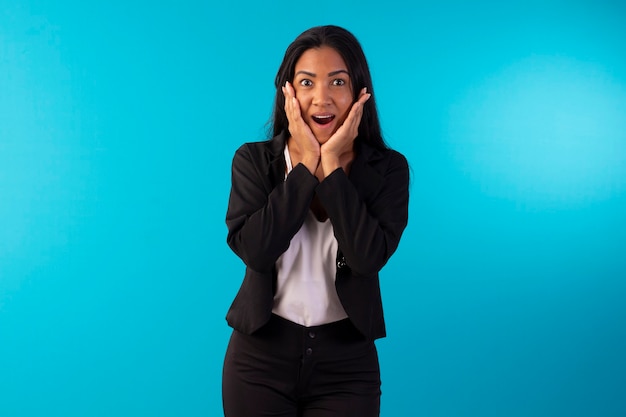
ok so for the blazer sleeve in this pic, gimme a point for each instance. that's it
(368, 230)
(262, 218)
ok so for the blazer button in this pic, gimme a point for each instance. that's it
(341, 263)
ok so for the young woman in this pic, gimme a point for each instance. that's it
(314, 213)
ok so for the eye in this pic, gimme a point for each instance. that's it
(339, 82)
(306, 82)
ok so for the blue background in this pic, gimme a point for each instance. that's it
(118, 122)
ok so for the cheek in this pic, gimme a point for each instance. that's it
(344, 103)
(303, 96)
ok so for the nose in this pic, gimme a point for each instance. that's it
(321, 95)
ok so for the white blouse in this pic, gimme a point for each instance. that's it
(306, 291)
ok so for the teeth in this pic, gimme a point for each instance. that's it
(323, 119)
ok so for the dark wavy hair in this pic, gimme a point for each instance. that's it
(346, 44)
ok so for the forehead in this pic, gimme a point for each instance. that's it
(323, 60)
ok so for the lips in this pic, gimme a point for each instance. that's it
(323, 118)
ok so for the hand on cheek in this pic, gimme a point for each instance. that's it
(340, 146)
(308, 146)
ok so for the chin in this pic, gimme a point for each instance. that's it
(322, 137)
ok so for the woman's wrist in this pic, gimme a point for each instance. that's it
(330, 162)
(311, 162)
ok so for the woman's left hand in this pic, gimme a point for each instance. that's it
(341, 142)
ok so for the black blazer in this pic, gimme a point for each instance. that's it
(368, 210)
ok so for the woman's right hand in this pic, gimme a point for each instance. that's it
(308, 146)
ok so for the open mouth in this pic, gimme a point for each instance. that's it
(323, 119)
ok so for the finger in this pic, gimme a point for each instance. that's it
(292, 106)
(286, 95)
(353, 120)
(290, 89)
(289, 93)
(364, 96)
(357, 109)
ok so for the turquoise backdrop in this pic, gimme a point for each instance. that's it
(118, 122)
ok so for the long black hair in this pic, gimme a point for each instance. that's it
(346, 44)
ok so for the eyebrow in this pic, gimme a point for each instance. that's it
(330, 74)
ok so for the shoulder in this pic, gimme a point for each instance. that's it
(262, 161)
(267, 150)
(383, 160)
(253, 148)
(396, 158)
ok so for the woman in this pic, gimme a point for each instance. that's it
(314, 213)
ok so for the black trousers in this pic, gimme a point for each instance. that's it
(288, 370)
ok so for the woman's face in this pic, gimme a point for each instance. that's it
(324, 89)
